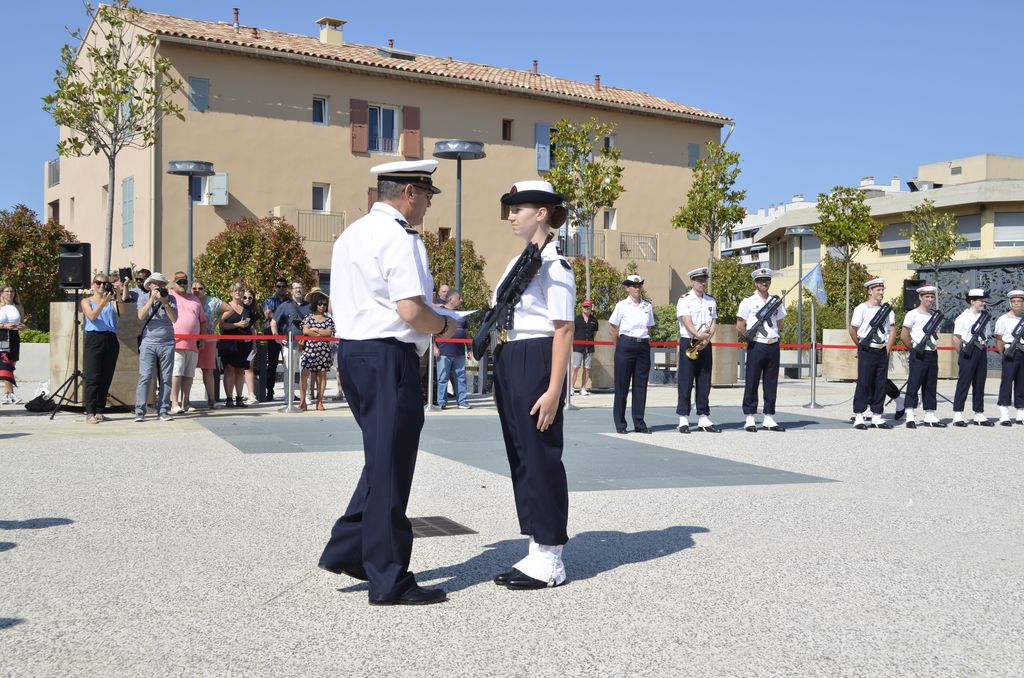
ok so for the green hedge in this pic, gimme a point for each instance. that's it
(34, 337)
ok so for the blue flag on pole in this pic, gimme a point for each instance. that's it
(815, 284)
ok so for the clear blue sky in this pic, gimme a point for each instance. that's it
(823, 93)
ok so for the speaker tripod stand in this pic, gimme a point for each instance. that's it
(73, 382)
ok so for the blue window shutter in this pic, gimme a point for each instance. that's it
(198, 94)
(128, 212)
(693, 153)
(542, 134)
(219, 189)
(692, 236)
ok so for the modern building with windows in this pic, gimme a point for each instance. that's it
(293, 123)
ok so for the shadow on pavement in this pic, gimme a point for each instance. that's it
(6, 546)
(33, 523)
(8, 622)
(4, 436)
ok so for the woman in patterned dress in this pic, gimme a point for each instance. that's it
(318, 356)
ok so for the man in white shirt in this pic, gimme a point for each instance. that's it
(762, 351)
(1010, 335)
(873, 329)
(381, 289)
(924, 362)
(630, 325)
(971, 333)
(698, 319)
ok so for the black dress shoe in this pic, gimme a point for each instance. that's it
(987, 422)
(960, 424)
(861, 426)
(1006, 423)
(1019, 421)
(524, 582)
(354, 572)
(883, 425)
(900, 414)
(937, 424)
(710, 429)
(776, 429)
(503, 578)
(911, 424)
(750, 429)
(683, 429)
(642, 429)
(414, 596)
(620, 430)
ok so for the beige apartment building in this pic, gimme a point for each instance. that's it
(984, 192)
(293, 123)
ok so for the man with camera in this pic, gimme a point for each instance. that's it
(290, 313)
(158, 312)
(129, 294)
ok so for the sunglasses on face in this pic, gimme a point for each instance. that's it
(280, 287)
(98, 282)
(198, 289)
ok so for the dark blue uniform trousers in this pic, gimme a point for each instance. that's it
(762, 364)
(1011, 381)
(972, 376)
(522, 370)
(694, 371)
(924, 373)
(382, 381)
(632, 366)
(872, 368)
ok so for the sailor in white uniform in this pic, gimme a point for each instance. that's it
(971, 333)
(924, 364)
(872, 359)
(697, 312)
(1010, 334)
(630, 325)
(762, 352)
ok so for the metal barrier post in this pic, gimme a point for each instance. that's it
(813, 405)
(289, 361)
(430, 407)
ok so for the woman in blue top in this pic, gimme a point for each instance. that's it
(100, 347)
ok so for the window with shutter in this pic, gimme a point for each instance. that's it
(1009, 229)
(198, 94)
(692, 155)
(371, 197)
(542, 137)
(218, 184)
(411, 136)
(359, 121)
(128, 212)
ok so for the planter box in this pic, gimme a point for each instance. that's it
(33, 365)
(725, 371)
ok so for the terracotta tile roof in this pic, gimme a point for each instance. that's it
(463, 72)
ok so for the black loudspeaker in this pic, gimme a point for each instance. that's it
(910, 300)
(74, 265)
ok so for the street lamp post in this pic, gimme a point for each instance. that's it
(190, 168)
(800, 232)
(458, 150)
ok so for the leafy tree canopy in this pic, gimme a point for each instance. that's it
(476, 294)
(933, 239)
(606, 288)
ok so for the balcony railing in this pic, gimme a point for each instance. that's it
(52, 173)
(321, 226)
(575, 244)
(383, 145)
(758, 258)
(640, 246)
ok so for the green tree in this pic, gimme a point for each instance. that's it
(732, 284)
(476, 293)
(588, 181)
(845, 225)
(606, 288)
(712, 203)
(29, 261)
(666, 323)
(111, 93)
(933, 239)
(255, 251)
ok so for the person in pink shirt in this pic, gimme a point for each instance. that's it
(191, 320)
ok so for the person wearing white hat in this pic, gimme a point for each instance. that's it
(697, 313)
(158, 312)
(1010, 344)
(630, 325)
(381, 292)
(924, 365)
(762, 352)
(873, 330)
(971, 332)
(529, 387)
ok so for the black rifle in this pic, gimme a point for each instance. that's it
(764, 317)
(931, 334)
(1009, 352)
(977, 332)
(872, 337)
(502, 314)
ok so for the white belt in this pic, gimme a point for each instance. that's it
(762, 340)
(519, 335)
(876, 345)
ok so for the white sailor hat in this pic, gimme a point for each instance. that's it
(701, 272)
(633, 280)
(927, 289)
(416, 172)
(532, 193)
(874, 281)
(977, 293)
(1015, 293)
(762, 273)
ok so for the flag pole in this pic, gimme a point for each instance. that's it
(813, 405)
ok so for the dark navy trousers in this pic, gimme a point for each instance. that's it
(924, 374)
(762, 364)
(522, 371)
(872, 368)
(632, 366)
(382, 381)
(971, 377)
(1011, 382)
(694, 372)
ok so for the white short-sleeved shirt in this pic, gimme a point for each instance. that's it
(702, 310)
(965, 321)
(1005, 326)
(376, 263)
(862, 318)
(10, 314)
(550, 296)
(633, 320)
(915, 321)
(749, 309)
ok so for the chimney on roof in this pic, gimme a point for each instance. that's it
(799, 197)
(535, 62)
(255, 33)
(330, 30)
(895, 183)
(391, 43)
(597, 82)
(867, 181)
(235, 24)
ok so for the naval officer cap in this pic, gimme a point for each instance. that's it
(536, 192)
(701, 272)
(416, 172)
(1015, 294)
(762, 273)
(633, 281)
(977, 293)
(927, 289)
(874, 282)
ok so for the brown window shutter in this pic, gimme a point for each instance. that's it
(371, 197)
(411, 140)
(359, 121)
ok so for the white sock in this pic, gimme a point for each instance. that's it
(929, 416)
(750, 421)
(858, 419)
(900, 402)
(684, 421)
(768, 422)
(543, 562)
(978, 416)
(1004, 413)
(704, 421)
(877, 419)
(910, 414)
(958, 416)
